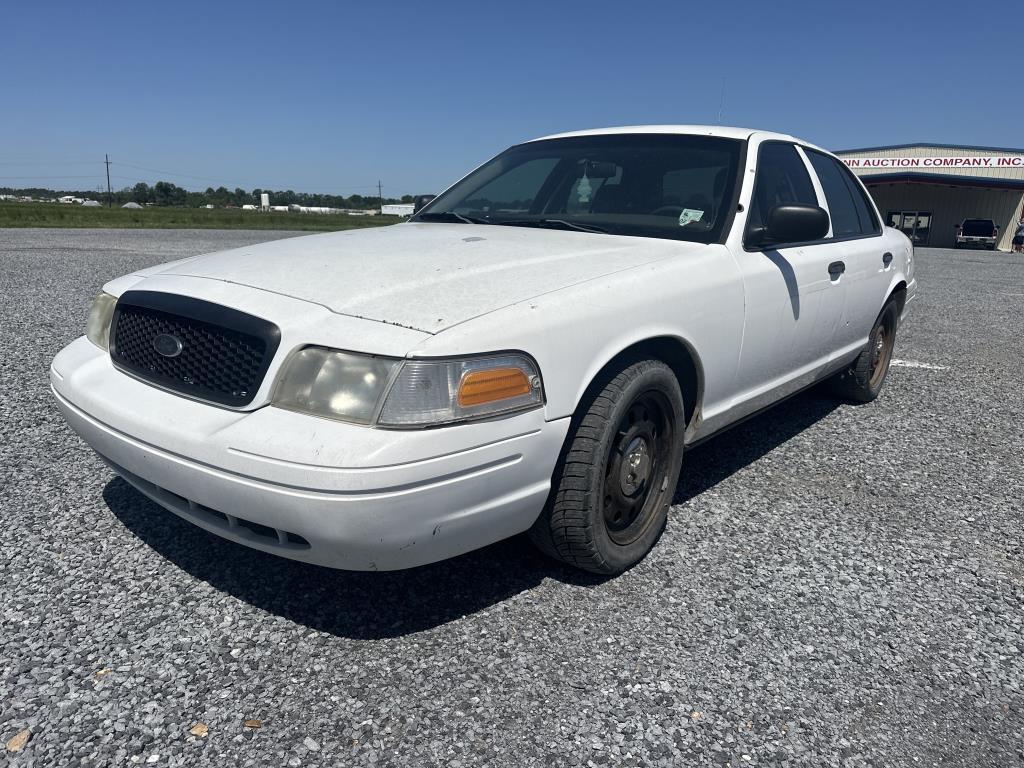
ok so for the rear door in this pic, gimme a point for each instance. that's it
(858, 243)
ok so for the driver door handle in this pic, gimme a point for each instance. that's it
(836, 268)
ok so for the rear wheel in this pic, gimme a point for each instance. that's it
(863, 380)
(612, 489)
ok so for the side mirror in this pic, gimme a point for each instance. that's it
(420, 201)
(791, 224)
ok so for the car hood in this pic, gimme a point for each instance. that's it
(426, 276)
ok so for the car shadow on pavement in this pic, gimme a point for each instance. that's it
(354, 604)
(708, 464)
(379, 605)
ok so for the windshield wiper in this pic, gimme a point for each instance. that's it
(451, 216)
(551, 224)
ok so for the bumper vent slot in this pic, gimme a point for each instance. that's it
(229, 525)
(194, 347)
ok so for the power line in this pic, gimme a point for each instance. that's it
(136, 180)
(349, 188)
(221, 181)
(50, 162)
(90, 176)
(175, 173)
(261, 185)
(341, 191)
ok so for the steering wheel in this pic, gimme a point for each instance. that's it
(667, 210)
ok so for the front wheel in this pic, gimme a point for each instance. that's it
(613, 486)
(863, 380)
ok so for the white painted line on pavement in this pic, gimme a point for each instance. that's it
(916, 364)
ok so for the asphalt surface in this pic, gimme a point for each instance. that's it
(838, 585)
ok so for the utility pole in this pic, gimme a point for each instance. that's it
(380, 195)
(110, 196)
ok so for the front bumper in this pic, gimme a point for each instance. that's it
(325, 492)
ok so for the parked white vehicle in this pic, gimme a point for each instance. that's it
(977, 233)
(532, 351)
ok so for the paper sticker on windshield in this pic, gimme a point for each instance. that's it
(689, 215)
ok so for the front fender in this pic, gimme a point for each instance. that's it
(694, 300)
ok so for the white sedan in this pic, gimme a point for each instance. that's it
(533, 351)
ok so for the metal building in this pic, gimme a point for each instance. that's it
(397, 209)
(927, 190)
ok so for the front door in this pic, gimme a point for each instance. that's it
(795, 294)
(795, 299)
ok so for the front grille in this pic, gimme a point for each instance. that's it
(194, 347)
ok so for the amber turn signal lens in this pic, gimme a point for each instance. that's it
(481, 387)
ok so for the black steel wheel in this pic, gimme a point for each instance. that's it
(862, 381)
(635, 468)
(613, 486)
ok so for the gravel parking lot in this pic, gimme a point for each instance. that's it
(838, 585)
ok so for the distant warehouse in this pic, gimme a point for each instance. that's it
(928, 190)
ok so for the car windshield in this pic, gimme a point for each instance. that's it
(979, 227)
(649, 185)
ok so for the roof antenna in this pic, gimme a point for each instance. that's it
(721, 102)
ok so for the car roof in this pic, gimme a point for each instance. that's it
(724, 131)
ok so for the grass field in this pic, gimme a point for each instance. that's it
(75, 216)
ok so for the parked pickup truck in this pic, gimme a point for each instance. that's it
(978, 234)
(533, 351)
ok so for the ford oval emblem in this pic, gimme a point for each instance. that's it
(167, 345)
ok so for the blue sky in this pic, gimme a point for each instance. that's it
(332, 96)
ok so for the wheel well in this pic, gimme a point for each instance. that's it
(676, 354)
(900, 294)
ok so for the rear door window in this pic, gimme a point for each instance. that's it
(869, 223)
(846, 221)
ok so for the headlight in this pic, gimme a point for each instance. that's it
(440, 391)
(409, 393)
(339, 385)
(97, 329)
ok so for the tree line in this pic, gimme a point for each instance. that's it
(166, 193)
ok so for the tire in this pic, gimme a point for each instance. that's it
(863, 379)
(617, 475)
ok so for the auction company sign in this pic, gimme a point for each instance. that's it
(989, 161)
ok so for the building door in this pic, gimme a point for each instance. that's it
(916, 225)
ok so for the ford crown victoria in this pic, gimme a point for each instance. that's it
(533, 351)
